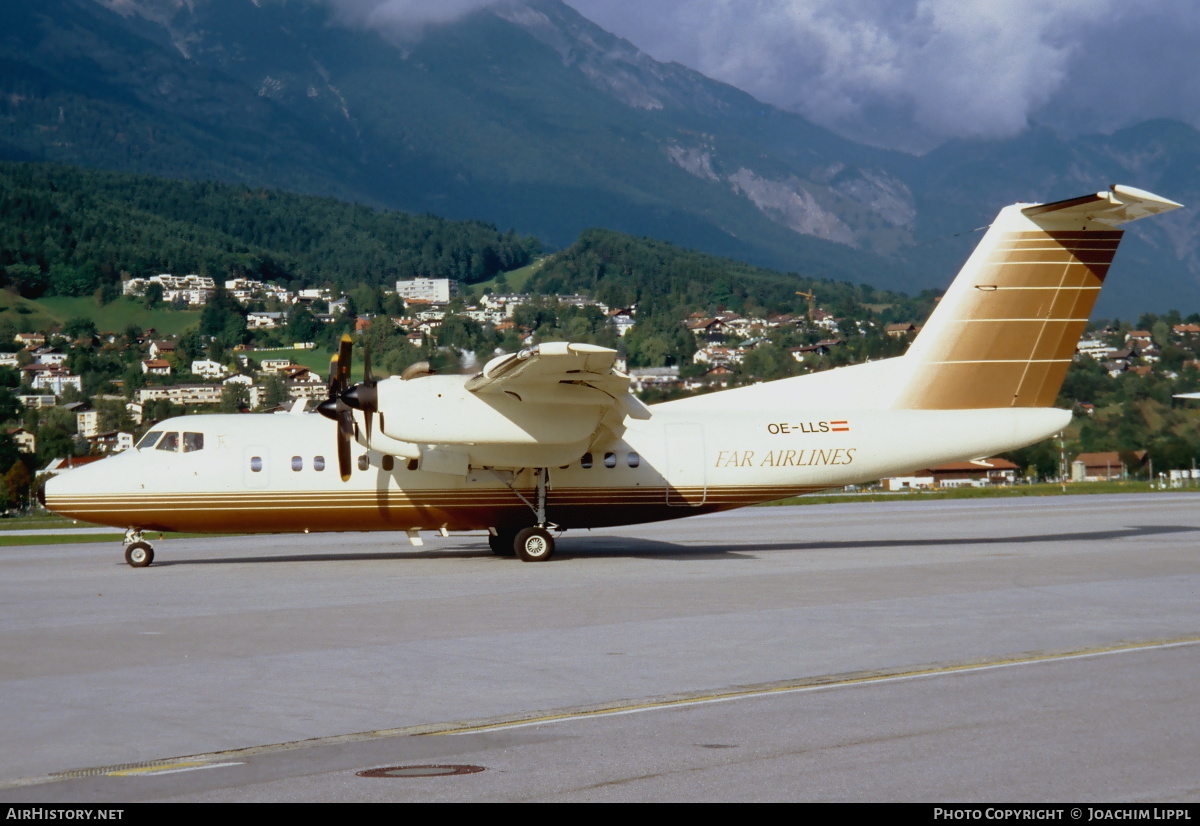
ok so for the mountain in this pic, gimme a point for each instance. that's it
(527, 115)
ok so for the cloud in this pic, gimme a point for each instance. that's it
(404, 19)
(918, 71)
(902, 73)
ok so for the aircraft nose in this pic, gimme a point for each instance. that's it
(41, 494)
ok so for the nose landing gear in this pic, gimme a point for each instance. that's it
(138, 554)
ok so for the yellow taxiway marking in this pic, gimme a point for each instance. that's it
(819, 684)
(170, 768)
(233, 757)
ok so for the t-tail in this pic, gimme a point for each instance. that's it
(1005, 332)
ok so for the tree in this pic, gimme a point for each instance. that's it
(78, 328)
(153, 298)
(234, 398)
(16, 484)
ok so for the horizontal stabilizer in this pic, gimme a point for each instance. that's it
(1120, 205)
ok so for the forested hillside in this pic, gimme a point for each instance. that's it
(621, 271)
(70, 231)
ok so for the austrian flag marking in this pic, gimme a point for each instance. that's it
(840, 427)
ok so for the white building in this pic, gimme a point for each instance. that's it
(428, 289)
(209, 369)
(183, 393)
(193, 289)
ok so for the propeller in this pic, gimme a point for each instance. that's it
(344, 399)
(335, 408)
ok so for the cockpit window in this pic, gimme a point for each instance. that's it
(193, 442)
(149, 439)
(169, 442)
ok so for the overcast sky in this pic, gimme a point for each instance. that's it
(911, 73)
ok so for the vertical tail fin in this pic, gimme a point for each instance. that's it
(1005, 332)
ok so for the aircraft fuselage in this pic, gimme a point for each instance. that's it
(278, 473)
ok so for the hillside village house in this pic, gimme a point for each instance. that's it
(30, 340)
(206, 368)
(157, 367)
(87, 418)
(51, 378)
(25, 441)
(161, 349)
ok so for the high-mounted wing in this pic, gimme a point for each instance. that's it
(542, 407)
(560, 373)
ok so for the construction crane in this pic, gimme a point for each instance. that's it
(812, 304)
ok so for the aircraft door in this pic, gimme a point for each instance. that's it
(686, 484)
(256, 469)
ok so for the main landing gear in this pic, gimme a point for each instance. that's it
(138, 554)
(532, 544)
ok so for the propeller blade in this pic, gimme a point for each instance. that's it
(368, 383)
(334, 389)
(345, 434)
(343, 356)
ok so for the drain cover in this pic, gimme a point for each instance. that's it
(421, 771)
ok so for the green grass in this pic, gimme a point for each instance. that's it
(115, 316)
(315, 360)
(60, 539)
(517, 279)
(23, 313)
(76, 538)
(34, 521)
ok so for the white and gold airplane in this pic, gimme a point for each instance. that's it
(551, 439)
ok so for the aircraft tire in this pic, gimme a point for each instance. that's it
(534, 545)
(503, 543)
(139, 555)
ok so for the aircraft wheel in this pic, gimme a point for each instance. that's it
(503, 543)
(534, 545)
(139, 555)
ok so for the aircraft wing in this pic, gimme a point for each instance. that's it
(560, 373)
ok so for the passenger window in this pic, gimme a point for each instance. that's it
(634, 460)
(389, 462)
(610, 460)
(256, 464)
(193, 442)
(586, 461)
(318, 463)
(149, 439)
(169, 442)
(297, 463)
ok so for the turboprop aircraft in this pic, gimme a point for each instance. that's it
(550, 438)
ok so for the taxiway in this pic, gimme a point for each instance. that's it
(1016, 650)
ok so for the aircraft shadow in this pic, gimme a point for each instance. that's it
(631, 546)
(585, 546)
